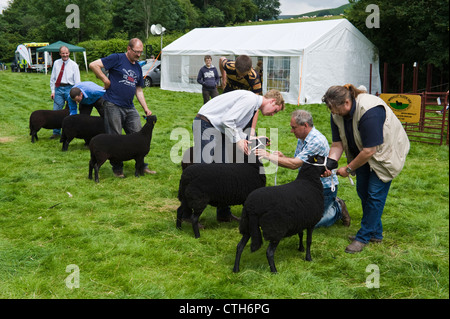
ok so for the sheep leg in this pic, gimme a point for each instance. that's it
(308, 243)
(270, 253)
(239, 249)
(300, 245)
(183, 207)
(96, 169)
(195, 217)
(139, 167)
(65, 142)
(33, 136)
(91, 167)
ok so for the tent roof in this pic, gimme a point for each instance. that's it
(54, 47)
(284, 39)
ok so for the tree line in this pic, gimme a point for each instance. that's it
(45, 20)
(409, 31)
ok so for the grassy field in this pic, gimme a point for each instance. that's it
(120, 234)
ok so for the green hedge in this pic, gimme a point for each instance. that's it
(96, 49)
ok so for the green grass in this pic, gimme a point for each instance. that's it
(121, 232)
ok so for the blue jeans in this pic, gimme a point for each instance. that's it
(373, 193)
(61, 94)
(332, 209)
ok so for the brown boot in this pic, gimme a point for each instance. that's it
(355, 247)
(345, 215)
(372, 240)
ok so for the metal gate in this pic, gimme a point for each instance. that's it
(433, 127)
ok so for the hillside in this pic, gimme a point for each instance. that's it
(319, 13)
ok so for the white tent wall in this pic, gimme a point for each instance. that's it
(319, 54)
(342, 56)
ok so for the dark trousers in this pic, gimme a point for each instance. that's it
(209, 94)
(87, 109)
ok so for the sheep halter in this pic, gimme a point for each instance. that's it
(333, 187)
(262, 144)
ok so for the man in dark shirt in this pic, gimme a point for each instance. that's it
(125, 81)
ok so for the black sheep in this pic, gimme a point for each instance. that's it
(122, 148)
(81, 126)
(48, 119)
(285, 210)
(217, 184)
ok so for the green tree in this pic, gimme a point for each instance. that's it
(409, 31)
(267, 9)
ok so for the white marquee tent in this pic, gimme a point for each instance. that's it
(302, 60)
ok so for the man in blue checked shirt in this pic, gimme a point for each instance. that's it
(88, 95)
(312, 142)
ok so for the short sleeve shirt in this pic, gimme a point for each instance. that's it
(315, 144)
(125, 77)
(370, 127)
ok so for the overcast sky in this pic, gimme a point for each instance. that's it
(292, 7)
(3, 4)
(287, 6)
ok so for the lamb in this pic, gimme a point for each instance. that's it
(285, 210)
(48, 119)
(122, 148)
(218, 185)
(81, 126)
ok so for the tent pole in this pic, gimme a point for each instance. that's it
(301, 74)
(85, 61)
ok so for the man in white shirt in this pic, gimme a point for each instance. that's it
(222, 123)
(230, 114)
(65, 74)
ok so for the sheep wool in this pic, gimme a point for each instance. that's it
(81, 126)
(121, 148)
(217, 184)
(48, 119)
(285, 210)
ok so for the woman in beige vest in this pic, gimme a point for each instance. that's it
(376, 146)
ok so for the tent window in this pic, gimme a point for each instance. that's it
(278, 73)
(196, 62)
(175, 68)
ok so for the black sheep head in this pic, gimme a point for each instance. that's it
(151, 119)
(318, 160)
